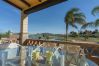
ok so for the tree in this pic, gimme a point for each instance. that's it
(95, 31)
(73, 17)
(8, 33)
(86, 25)
(73, 34)
(91, 24)
(86, 34)
(95, 10)
(96, 22)
(45, 36)
(0, 36)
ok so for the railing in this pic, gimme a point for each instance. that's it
(72, 52)
(72, 47)
(82, 44)
(9, 56)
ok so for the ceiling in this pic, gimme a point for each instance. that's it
(30, 6)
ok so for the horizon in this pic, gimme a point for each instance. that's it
(50, 20)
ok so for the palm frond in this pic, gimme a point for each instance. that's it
(80, 15)
(73, 10)
(97, 23)
(95, 10)
(87, 25)
(73, 25)
(68, 17)
(80, 21)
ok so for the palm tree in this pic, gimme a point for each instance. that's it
(73, 17)
(95, 10)
(96, 22)
(89, 24)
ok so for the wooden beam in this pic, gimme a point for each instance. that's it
(40, 0)
(26, 3)
(43, 6)
(12, 4)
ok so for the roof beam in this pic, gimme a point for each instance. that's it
(36, 8)
(43, 6)
(12, 4)
(26, 3)
(40, 0)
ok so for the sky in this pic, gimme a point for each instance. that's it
(49, 20)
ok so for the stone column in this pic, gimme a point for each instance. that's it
(24, 28)
(23, 37)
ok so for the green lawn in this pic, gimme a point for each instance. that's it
(82, 39)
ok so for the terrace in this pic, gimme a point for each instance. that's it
(75, 50)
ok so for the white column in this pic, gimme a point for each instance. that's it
(23, 37)
(24, 28)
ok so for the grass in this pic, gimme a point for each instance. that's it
(82, 39)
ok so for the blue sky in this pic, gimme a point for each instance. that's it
(48, 20)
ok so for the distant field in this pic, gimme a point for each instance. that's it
(82, 39)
